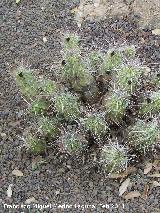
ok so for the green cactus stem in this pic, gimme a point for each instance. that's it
(66, 105)
(113, 158)
(151, 105)
(48, 87)
(75, 73)
(111, 62)
(143, 135)
(96, 125)
(130, 52)
(39, 106)
(26, 82)
(35, 145)
(115, 104)
(127, 78)
(49, 127)
(72, 143)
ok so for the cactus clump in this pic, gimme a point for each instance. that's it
(115, 105)
(108, 86)
(143, 135)
(72, 143)
(113, 157)
(35, 145)
(67, 105)
(151, 105)
(49, 127)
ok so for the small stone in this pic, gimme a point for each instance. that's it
(110, 199)
(89, 8)
(3, 135)
(146, 71)
(129, 1)
(68, 166)
(30, 200)
(95, 192)
(76, 190)
(61, 170)
(20, 114)
(44, 39)
(101, 183)
(96, 4)
(100, 11)
(17, 173)
(9, 190)
(103, 193)
(79, 25)
(57, 192)
(91, 184)
(156, 32)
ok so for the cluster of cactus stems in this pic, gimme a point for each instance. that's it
(105, 82)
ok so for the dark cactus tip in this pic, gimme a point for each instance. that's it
(68, 39)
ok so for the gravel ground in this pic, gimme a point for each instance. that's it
(23, 28)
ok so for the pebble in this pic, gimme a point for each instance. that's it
(91, 184)
(57, 192)
(3, 135)
(61, 170)
(4, 114)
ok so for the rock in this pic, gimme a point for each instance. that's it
(100, 10)
(61, 171)
(3, 135)
(156, 32)
(91, 184)
(17, 173)
(30, 200)
(129, 1)
(87, 9)
(132, 195)
(9, 190)
(57, 192)
(44, 39)
(148, 12)
(95, 192)
(124, 186)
